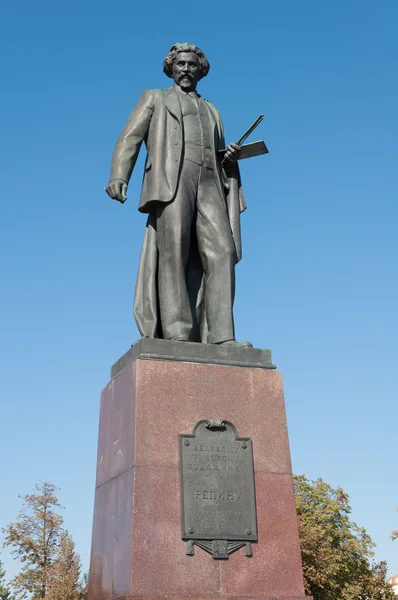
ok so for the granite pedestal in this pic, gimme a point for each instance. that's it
(158, 390)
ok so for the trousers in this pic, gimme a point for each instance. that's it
(196, 221)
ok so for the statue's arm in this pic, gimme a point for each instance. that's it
(128, 146)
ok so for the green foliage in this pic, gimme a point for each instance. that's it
(394, 534)
(336, 552)
(5, 593)
(34, 539)
(64, 574)
(84, 587)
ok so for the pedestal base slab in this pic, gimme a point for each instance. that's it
(214, 597)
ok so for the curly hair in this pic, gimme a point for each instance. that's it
(185, 47)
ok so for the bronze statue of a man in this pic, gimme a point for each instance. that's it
(186, 280)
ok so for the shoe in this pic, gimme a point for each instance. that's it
(235, 344)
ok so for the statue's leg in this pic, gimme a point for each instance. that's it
(217, 253)
(194, 279)
(173, 232)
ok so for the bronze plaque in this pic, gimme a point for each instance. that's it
(218, 501)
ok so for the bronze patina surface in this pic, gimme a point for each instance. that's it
(193, 196)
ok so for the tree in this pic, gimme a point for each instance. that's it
(64, 574)
(84, 588)
(34, 539)
(336, 552)
(5, 593)
(394, 534)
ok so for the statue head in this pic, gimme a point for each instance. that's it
(186, 64)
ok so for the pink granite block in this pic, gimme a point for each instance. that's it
(123, 532)
(214, 597)
(159, 561)
(137, 550)
(185, 392)
(275, 568)
(101, 566)
(123, 421)
(104, 433)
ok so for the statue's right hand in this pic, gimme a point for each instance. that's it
(117, 189)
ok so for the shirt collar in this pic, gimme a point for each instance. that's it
(193, 94)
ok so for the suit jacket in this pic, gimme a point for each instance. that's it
(157, 121)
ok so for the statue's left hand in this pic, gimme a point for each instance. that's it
(232, 153)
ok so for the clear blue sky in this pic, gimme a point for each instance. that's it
(318, 282)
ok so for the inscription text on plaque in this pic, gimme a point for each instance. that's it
(217, 489)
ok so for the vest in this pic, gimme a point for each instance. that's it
(196, 131)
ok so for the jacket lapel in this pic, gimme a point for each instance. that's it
(172, 103)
